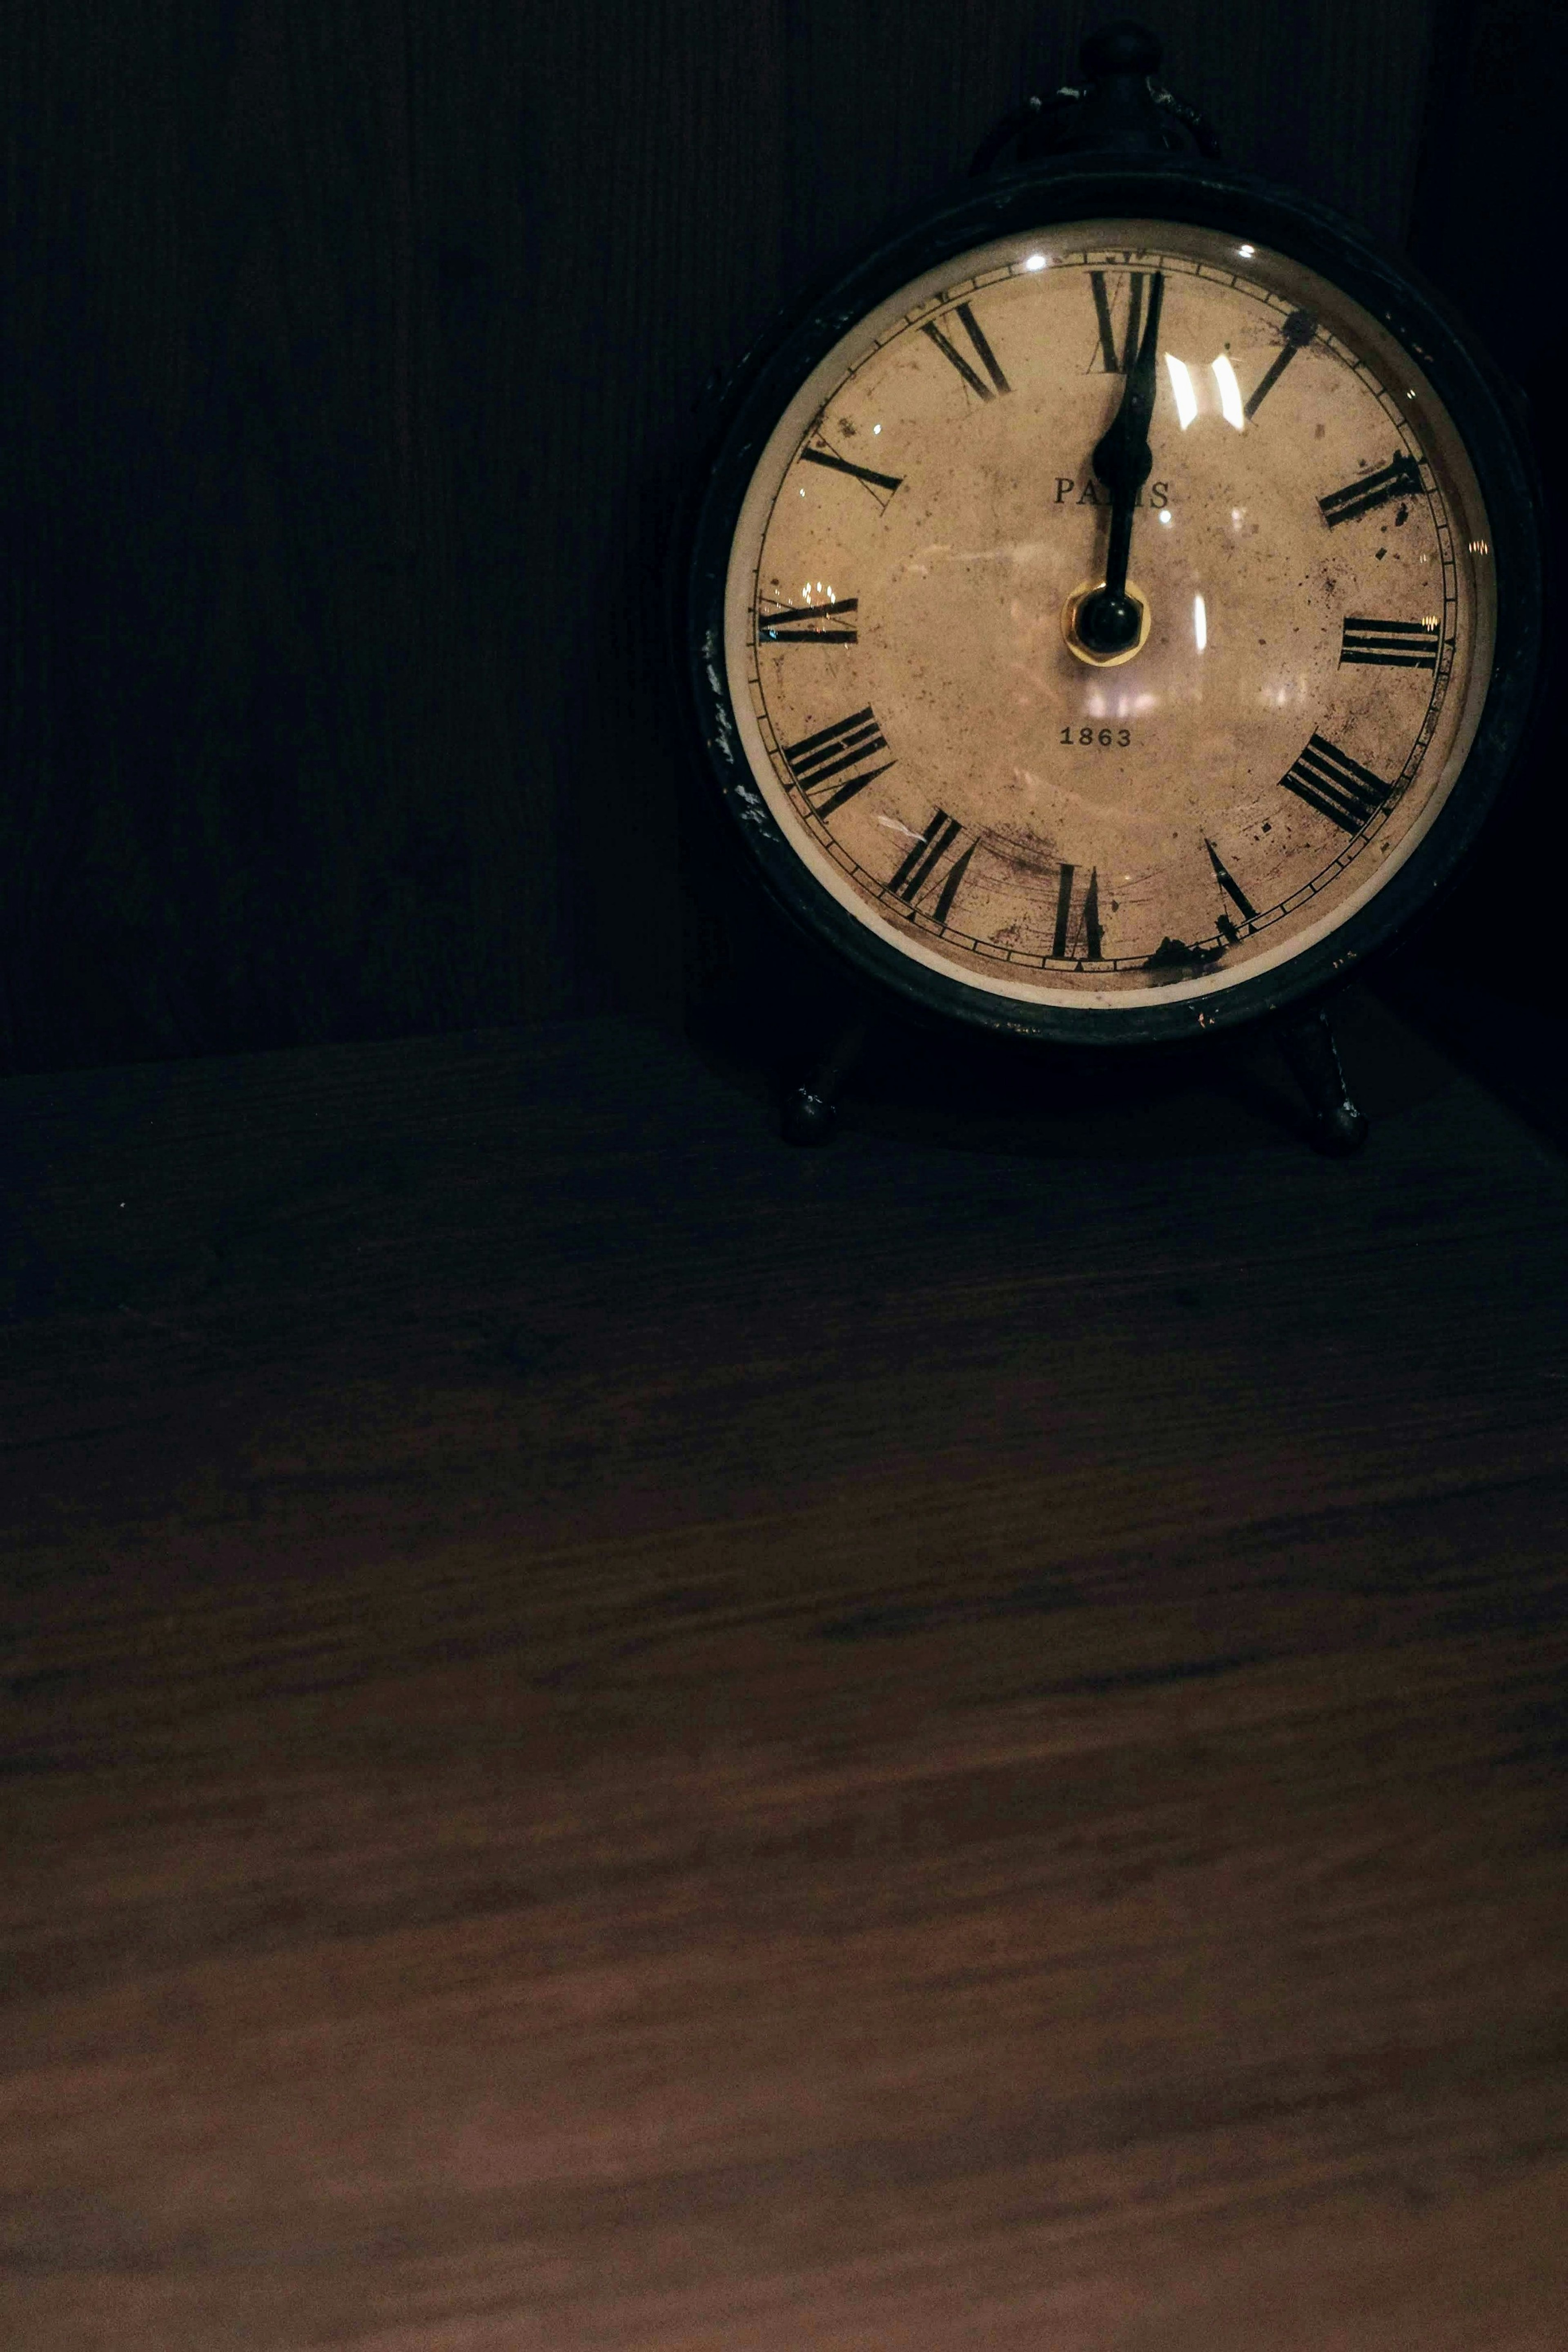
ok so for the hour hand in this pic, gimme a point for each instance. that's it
(1122, 456)
(1109, 622)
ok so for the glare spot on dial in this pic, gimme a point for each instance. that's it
(1181, 386)
(1167, 517)
(1246, 251)
(1230, 406)
(1200, 622)
(876, 428)
(1034, 261)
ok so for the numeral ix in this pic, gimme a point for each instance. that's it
(802, 624)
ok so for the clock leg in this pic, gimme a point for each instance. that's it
(810, 1110)
(1307, 1043)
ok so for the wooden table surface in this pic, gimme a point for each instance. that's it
(618, 1736)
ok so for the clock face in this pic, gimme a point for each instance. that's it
(919, 706)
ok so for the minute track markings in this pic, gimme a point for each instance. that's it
(983, 351)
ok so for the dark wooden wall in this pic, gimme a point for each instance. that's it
(351, 357)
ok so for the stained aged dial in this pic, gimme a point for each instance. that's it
(1105, 620)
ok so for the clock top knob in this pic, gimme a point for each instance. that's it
(1123, 47)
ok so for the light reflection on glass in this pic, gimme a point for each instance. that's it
(1200, 622)
(1230, 406)
(1246, 251)
(1166, 515)
(1034, 261)
(1181, 386)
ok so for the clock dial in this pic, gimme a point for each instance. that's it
(980, 772)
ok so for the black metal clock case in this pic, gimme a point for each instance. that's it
(1135, 186)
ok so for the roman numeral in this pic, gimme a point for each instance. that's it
(1402, 479)
(1391, 644)
(1104, 305)
(983, 351)
(1066, 933)
(816, 759)
(1339, 787)
(935, 861)
(874, 482)
(794, 625)
(1233, 891)
(1297, 330)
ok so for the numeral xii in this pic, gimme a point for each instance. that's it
(1109, 360)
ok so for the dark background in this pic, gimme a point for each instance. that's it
(352, 359)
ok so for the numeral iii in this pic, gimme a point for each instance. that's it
(1392, 644)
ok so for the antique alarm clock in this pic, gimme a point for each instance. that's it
(1112, 607)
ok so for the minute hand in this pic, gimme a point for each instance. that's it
(1110, 621)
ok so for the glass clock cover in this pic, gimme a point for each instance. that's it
(945, 746)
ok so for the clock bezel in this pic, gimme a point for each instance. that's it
(1038, 198)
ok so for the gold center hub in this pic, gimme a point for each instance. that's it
(1075, 644)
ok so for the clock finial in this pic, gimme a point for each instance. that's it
(1119, 110)
(1123, 47)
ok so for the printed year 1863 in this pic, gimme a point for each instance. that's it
(1101, 738)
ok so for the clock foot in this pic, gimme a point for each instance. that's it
(1307, 1042)
(811, 1111)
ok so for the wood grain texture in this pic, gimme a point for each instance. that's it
(352, 360)
(616, 1736)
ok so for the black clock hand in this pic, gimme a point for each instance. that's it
(1108, 622)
